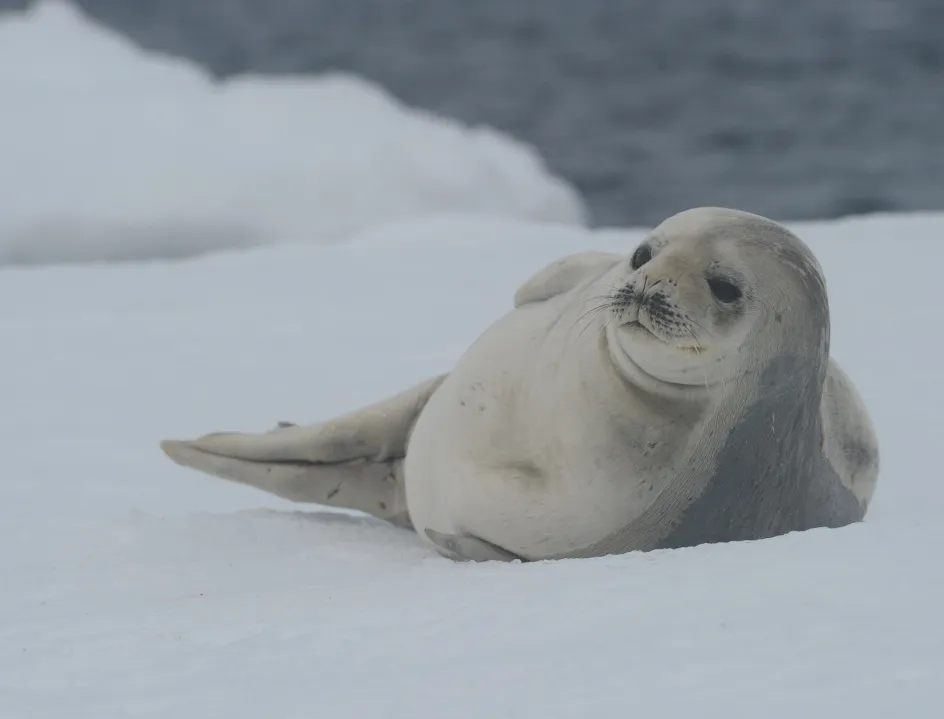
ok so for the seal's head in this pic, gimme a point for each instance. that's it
(712, 294)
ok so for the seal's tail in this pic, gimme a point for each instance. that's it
(354, 461)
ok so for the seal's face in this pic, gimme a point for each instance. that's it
(695, 294)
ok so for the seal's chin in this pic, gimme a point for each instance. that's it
(637, 333)
(642, 355)
(634, 334)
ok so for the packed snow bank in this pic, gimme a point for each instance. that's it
(110, 153)
(133, 587)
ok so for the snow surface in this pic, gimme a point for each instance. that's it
(133, 587)
(111, 153)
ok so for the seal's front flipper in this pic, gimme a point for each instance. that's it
(466, 548)
(564, 275)
(354, 461)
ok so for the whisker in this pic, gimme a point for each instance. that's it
(699, 325)
(588, 314)
(698, 349)
(694, 337)
(614, 292)
(606, 302)
(589, 324)
(592, 310)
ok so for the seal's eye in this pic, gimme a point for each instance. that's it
(724, 290)
(641, 256)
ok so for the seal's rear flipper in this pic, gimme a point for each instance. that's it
(354, 461)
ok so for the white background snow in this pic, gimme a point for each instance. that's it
(133, 587)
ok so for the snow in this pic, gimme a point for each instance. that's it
(110, 153)
(133, 587)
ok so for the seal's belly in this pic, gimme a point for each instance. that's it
(489, 458)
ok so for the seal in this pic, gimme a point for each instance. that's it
(678, 395)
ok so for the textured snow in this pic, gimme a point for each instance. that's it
(110, 153)
(133, 587)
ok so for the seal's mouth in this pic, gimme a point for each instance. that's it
(655, 317)
(638, 329)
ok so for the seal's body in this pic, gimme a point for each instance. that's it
(681, 395)
(532, 416)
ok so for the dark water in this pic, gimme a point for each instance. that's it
(791, 108)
